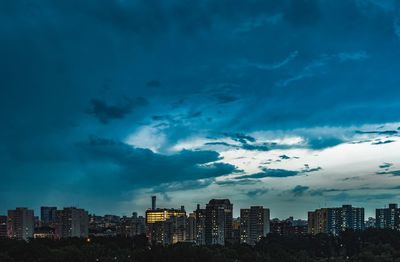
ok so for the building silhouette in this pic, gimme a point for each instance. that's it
(254, 224)
(218, 222)
(335, 220)
(388, 217)
(20, 224)
(72, 222)
(48, 215)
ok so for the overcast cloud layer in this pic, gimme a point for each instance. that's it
(290, 104)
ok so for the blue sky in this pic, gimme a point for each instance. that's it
(290, 104)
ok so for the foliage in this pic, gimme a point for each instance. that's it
(366, 246)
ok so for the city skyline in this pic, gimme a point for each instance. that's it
(39, 212)
(291, 104)
(211, 224)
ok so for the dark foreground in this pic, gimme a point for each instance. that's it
(370, 245)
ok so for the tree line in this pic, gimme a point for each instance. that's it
(371, 245)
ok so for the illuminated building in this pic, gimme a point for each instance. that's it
(45, 232)
(254, 224)
(165, 225)
(20, 223)
(218, 222)
(200, 215)
(162, 214)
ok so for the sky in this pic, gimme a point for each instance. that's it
(289, 104)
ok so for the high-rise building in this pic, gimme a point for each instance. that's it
(388, 217)
(20, 224)
(3, 226)
(336, 220)
(200, 214)
(218, 222)
(288, 226)
(236, 230)
(254, 224)
(191, 228)
(318, 221)
(72, 222)
(48, 215)
(165, 225)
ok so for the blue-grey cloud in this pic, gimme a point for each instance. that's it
(386, 165)
(299, 190)
(105, 112)
(257, 192)
(384, 142)
(273, 173)
(264, 70)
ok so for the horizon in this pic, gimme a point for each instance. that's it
(290, 104)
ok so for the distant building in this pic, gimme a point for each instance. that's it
(20, 224)
(318, 221)
(388, 217)
(218, 222)
(370, 223)
(288, 227)
(72, 222)
(254, 224)
(191, 228)
(3, 226)
(48, 215)
(200, 214)
(45, 232)
(165, 225)
(236, 230)
(336, 220)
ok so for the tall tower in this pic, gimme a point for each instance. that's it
(218, 223)
(153, 202)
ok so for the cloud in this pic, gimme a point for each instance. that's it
(105, 112)
(383, 142)
(144, 168)
(393, 173)
(299, 190)
(307, 169)
(386, 132)
(386, 165)
(225, 98)
(257, 192)
(272, 173)
(323, 142)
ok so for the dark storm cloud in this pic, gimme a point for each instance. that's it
(142, 167)
(299, 190)
(62, 59)
(324, 142)
(105, 112)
